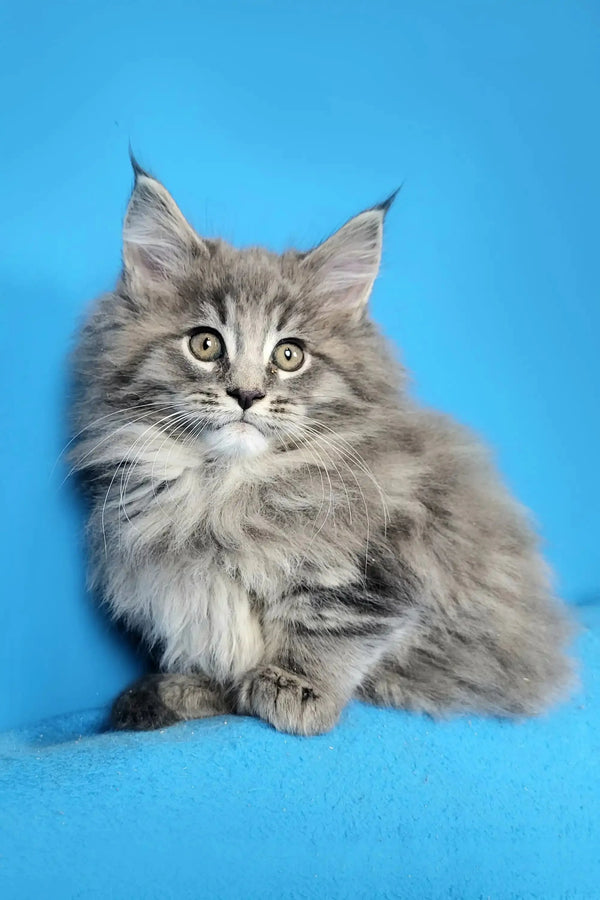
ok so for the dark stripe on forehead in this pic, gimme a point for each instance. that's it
(286, 309)
(218, 299)
(200, 300)
(238, 331)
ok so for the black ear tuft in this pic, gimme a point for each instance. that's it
(385, 205)
(158, 242)
(343, 268)
(138, 172)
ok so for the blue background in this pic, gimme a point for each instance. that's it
(272, 122)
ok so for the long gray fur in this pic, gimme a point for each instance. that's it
(347, 544)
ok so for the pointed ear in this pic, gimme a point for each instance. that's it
(343, 268)
(158, 242)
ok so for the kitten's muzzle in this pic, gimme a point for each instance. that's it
(245, 398)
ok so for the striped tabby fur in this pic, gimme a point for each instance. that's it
(334, 539)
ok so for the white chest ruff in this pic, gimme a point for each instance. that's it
(197, 604)
(202, 617)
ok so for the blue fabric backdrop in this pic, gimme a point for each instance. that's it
(388, 807)
(272, 122)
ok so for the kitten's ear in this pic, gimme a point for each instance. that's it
(343, 268)
(158, 242)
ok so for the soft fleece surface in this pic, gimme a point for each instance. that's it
(387, 806)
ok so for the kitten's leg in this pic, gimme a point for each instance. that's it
(164, 699)
(448, 672)
(288, 700)
(327, 642)
(395, 683)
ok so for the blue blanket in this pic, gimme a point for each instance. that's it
(389, 805)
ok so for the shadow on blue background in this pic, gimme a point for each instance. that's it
(272, 123)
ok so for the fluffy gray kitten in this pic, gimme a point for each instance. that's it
(272, 510)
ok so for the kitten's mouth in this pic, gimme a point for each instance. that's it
(246, 425)
(239, 426)
(242, 426)
(238, 437)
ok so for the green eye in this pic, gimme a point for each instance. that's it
(206, 345)
(288, 356)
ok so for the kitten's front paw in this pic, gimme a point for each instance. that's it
(140, 708)
(289, 702)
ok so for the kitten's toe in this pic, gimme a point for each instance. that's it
(140, 708)
(290, 703)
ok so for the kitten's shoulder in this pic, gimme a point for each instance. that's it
(427, 434)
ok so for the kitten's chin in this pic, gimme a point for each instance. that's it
(237, 439)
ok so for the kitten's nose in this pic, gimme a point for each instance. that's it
(245, 398)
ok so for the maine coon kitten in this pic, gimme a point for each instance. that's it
(273, 511)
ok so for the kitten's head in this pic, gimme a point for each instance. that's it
(246, 350)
